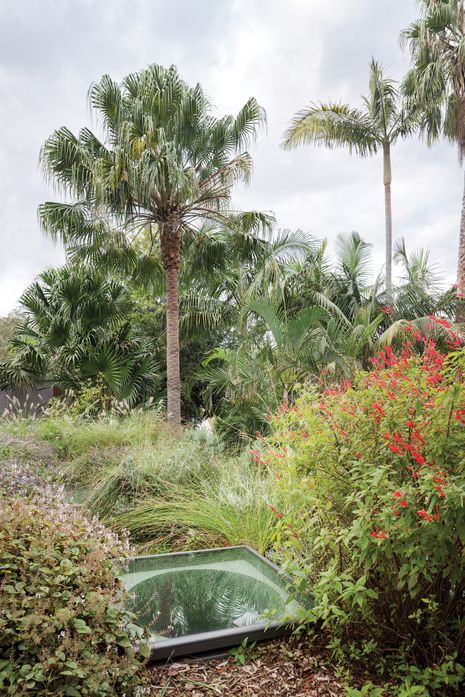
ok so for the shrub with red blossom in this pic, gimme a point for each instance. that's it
(372, 503)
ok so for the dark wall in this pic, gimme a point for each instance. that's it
(28, 400)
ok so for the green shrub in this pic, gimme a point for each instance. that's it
(371, 512)
(62, 627)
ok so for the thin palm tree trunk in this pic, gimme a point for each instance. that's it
(170, 239)
(164, 618)
(388, 219)
(460, 310)
(286, 394)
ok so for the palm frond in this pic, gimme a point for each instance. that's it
(333, 125)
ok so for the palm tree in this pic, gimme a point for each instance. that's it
(290, 351)
(436, 83)
(377, 125)
(420, 291)
(73, 329)
(244, 267)
(165, 164)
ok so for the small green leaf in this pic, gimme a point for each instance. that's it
(144, 650)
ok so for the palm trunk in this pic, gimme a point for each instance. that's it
(286, 394)
(170, 242)
(388, 219)
(164, 618)
(460, 310)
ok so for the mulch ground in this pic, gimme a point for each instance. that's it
(281, 669)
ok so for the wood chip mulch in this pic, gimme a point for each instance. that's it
(278, 669)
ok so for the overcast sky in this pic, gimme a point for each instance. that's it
(285, 53)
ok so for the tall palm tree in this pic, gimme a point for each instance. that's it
(436, 82)
(165, 163)
(376, 126)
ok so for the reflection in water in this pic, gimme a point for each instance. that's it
(188, 601)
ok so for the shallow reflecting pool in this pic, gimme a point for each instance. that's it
(207, 599)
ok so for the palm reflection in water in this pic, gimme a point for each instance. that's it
(181, 602)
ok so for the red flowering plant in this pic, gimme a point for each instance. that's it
(371, 496)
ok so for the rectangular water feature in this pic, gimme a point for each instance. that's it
(193, 602)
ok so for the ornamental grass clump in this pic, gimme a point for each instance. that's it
(370, 511)
(63, 629)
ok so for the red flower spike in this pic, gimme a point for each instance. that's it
(273, 510)
(439, 320)
(424, 515)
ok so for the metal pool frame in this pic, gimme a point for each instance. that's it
(214, 641)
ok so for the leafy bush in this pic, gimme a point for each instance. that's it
(371, 511)
(74, 332)
(62, 628)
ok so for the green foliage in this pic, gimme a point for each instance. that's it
(227, 506)
(171, 491)
(368, 690)
(62, 629)
(317, 322)
(370, 512)
(74, 331)
(244, 653)
(7, 329)
(88, 401)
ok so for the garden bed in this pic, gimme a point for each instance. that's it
(278, 669)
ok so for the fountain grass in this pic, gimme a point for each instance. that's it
(171, 491)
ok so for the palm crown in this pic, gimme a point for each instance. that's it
(436, 84)
(377, 125)
(165, 161)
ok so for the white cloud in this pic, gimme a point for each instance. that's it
(285, 54)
